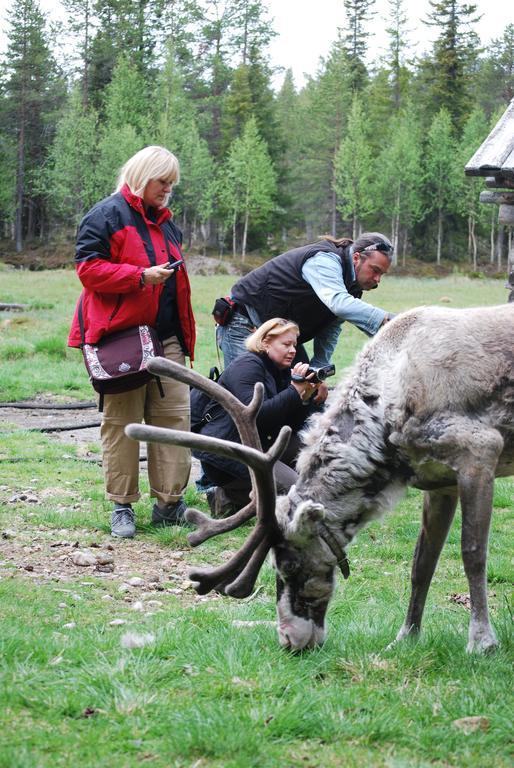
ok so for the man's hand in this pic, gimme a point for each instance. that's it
(321, 393)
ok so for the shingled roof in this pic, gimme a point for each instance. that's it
(495, 157)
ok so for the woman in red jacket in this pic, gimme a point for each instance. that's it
(124, 246)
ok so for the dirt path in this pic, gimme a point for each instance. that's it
(47, 554)
(83, 437)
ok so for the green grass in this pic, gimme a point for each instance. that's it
(207, 693)
(225, 696)
(38, 336)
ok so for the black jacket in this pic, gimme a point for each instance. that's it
(281, 406)
(277, 289)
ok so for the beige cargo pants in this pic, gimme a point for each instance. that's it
(168, 466)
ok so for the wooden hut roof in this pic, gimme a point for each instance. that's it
(495, 157)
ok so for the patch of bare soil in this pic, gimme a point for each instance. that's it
(135, 571)
(73, 425)
(46, 554)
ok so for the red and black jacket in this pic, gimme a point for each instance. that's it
(110, 258)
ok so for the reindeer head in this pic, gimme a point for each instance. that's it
(305, 552)
(304, 573)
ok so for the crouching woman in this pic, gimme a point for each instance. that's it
(271, 351)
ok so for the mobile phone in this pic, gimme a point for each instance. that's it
(175, 264)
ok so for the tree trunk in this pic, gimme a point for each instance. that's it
(493, 220)
(404, 246)
(439, 234)
(20, 186)
(245, 234)
(500, 239)
(472, 223)
(234, 235)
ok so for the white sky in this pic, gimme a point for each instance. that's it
(307, 28)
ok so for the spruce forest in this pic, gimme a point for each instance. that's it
(376, 139)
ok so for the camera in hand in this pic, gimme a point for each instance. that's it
(320, 374)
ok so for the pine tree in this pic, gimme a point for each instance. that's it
(125, 29)
(356, 39)
(172, 108)
(290, 181)
(450, 72)
(468, 191)
(250, 183)
(495, 78)
(398, 47)
(237, 107)
(81, 24)
(323, 112)
(252, 28)
(69, 174)
(126, 128)
(354, 171)
(398, 192)
(33, 92)
(440, 177)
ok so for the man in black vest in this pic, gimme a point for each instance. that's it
(318, 286)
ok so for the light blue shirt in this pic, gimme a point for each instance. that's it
(323, 273)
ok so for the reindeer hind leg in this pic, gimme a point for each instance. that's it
(476, 496)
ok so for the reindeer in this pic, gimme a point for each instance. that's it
(429, 404)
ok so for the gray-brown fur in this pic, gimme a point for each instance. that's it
(430, 403)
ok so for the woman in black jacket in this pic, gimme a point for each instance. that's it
(271, 350)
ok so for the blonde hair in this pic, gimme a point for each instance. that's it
(271, 328)
(147, 164)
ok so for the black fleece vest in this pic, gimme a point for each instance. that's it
(277, 289)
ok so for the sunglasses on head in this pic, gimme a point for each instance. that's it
(383, 247)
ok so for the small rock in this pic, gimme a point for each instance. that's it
(136, 581)
(70, 625)
(124, 588)
(107, 597)
(154, 603)
(135, 640)
(104, 558)
(63, 605)
(28, 567)
(117, 622)
(138, 606)
(7, 534)
(107, 568)
(24, 496)
(83, 558)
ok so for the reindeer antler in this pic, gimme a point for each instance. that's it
(237, 576)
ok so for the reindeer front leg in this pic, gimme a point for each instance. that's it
(438, 512)
(476, 496)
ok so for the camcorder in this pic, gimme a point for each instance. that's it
(320, 374)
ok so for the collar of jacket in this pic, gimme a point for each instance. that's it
(281, 375)
(136, 202)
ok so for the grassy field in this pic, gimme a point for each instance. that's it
(209, 685)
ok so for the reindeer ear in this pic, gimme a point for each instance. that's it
(302, 524)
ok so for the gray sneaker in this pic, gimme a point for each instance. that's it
(122, 523)
(171, 514)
